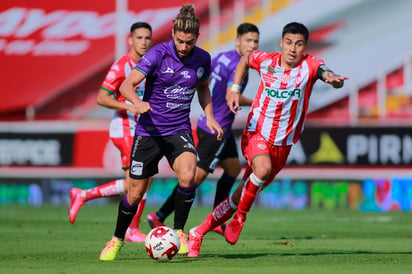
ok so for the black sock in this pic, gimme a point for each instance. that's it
(124, 217)
(223, 187)
(184, 199)
(168, 207)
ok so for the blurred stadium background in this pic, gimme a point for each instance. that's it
(356, 150)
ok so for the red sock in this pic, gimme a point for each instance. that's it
(247, 199)
(136, 219)
(220, 214)
(114, 188)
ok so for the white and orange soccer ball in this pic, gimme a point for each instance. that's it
(162, 243)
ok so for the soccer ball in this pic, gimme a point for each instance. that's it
(162, 243)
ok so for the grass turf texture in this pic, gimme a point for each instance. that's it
(41, 240)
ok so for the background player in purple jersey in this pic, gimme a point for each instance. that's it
(121, 127)
(213, 152)
(173, 71)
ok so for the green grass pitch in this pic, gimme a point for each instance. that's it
(41, 240)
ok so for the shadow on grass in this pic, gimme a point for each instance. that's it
(268, 254)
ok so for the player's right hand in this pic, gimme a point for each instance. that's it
(233, 102)
(141, 107)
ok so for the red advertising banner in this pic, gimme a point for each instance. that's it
(49, 46)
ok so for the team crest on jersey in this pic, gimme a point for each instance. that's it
(285, 78)
(262, 146)
(269, 78)
(200, 72)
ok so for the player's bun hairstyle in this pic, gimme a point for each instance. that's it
(139, 25)
(246, 28)
(187, 21)
(296, 28)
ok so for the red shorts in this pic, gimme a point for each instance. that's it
(253, 144)
(124, 145)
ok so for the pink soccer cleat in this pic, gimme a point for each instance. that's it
(135, 235)
(76, 203)
(233, 230)
(195, 243)
(153, 221)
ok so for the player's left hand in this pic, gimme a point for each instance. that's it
(336, 80)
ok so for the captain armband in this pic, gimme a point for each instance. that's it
(322, 69)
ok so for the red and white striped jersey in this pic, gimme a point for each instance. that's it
(279, 108)
(123, 122)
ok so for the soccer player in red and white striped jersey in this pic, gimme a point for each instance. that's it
(122, 126)
(274, 124)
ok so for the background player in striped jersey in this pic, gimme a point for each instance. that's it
(174, 72)
(212, 152)
(275, 123)
(122, 126)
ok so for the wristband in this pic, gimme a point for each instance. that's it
(235, 88)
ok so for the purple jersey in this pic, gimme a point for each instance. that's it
(224, 66)
(170, 86)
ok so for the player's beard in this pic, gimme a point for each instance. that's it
(184, 57)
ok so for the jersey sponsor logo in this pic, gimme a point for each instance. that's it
(179, 92)
(275, 93)
(137, 168)
(185, 74)
(177, 106)
(169, 70)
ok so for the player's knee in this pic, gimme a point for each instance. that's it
(134, 197)
(233, 171)
(186, 177)
(262, 172)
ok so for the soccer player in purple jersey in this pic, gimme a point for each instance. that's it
(173, 71)
(213, 152)
(121, 127)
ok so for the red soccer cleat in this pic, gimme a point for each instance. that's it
(153, 221)
(220, 229)
(233, 230)
(135, 235)
(76, 203)
(195, 243)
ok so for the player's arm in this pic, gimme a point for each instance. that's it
(232, 97)
(328, 76)
(127, 89)
(244, 101)
(205, 100)
(105, 99)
